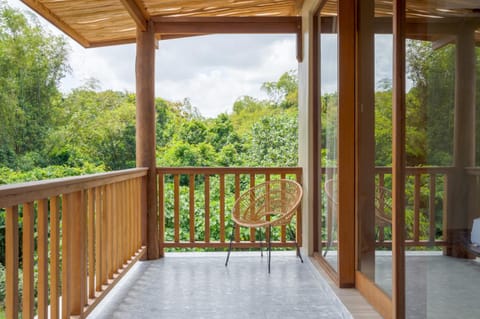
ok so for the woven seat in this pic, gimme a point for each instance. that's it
(268, 204)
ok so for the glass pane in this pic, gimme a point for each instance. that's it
(442, 185)
(329, 129)
(375, 143)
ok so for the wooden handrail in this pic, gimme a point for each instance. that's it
(222, 214)
(13, 194)
(101, 221)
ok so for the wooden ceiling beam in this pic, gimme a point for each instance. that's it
(416, 26)
(107, 43)
(225, 25)
(43, 11)
(178, 36)
(137, 11)
(443, 41)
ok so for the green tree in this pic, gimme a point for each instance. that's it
(284, 92)
(104, 130)
(274, 141)
(430, 103)
(32, 62)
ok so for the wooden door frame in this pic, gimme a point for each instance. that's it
(345, 277)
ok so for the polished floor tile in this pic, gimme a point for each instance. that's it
(200, 286)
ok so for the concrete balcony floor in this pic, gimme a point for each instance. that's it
(198, 285)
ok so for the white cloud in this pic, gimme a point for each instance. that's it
(212, 71)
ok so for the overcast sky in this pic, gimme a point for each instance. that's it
(212, 71)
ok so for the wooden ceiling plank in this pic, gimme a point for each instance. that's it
(43, 11)
(234, 8)
(138, 15)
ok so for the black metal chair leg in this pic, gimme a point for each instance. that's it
(230, 246)
(299, 255)
(261, 242)
(269, 246)
(292, 234)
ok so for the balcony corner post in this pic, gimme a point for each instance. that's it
(145, 130)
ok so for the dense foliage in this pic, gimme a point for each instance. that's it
(49, 134)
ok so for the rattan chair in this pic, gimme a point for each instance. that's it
(269, 204)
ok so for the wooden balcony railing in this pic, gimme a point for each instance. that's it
(426, 210)
(208, 194)
(78, 234)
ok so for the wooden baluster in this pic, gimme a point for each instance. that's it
(118, 226)
(237, 195)
(252, 209)
(28, 262)
(445, 209)
(299, 215)
(11, 258)
(104, 242)
(126, 222)
(130, 221)
(115, 228)
(77, 276)
(191, 190)
(54, 257)
(381, 205)
(267, 230)
(176, 208)
(431, 208)
(108, 229)
(67, 239)
(139, 216)
(283, 229)
(161, 212)
(131, 214)
(416, 209)
(42, 244)
(207, 208)
(222, 208)
(123, 234)
(83, 267)
(123, 225)
(99, 255)
(91, 242)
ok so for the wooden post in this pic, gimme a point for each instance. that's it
(365, 170)
(398, 161)
(145, 131)
(464, 141)
(346, 140)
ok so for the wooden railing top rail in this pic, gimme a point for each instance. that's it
(229, 170)
(14, 194)
(417, 170)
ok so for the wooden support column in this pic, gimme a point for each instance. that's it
(145, 131)
(464, 141)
